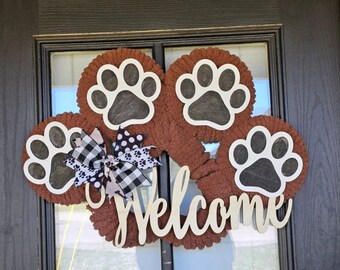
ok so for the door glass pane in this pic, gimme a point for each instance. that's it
(244, 248)
(78, 245)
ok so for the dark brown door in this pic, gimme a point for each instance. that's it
(310, 69)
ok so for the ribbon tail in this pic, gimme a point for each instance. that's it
(140, 158)
(112, 187)
(84, 174)
(129, 177)
(75, 165)
(89, 153)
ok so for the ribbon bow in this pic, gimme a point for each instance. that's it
(123, 169)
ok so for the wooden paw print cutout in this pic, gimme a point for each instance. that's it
(206, 96)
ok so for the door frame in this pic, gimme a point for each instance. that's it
(271, 34)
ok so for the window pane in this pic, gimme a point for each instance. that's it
(78, 245)
(244, 248)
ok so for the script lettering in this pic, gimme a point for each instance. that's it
(240, 209)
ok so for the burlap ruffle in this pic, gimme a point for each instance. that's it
(222, 184)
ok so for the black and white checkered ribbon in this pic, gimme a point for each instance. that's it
(92, 164)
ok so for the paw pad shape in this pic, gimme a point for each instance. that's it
(46, 157)
(264, 163)
(124, 95)
(212, 96)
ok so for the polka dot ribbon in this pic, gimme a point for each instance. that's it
(129, 148)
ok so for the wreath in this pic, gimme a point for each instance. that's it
(130, 112)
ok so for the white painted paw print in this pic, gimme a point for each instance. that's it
(124, 95)
(47, 153)
(212, 96)
(264, 163)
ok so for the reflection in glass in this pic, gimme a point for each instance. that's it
(244, 248)
(78, 245)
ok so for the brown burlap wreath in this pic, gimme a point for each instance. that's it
(179, 125)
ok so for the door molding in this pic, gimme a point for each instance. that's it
(271, 34)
